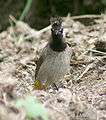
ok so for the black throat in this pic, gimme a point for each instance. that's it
(57, 44)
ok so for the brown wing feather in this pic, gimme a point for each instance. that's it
(38, 64)
(41, 60)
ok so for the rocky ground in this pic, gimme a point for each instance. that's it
(83, 92)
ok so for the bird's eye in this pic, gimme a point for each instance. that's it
(61, 30)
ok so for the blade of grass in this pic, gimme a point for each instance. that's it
(26, 9)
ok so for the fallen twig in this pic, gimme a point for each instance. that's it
(37, 33)
(96, 51)
(79, 62)
(86, 16)
(85, 71)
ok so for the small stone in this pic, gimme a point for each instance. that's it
(102, 91)
(102, 105)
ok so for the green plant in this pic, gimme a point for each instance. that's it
(33, 108)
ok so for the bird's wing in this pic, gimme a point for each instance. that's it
(41, 60)
(38, 64)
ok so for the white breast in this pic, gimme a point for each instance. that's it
(55, 66)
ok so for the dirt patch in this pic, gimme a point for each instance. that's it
(83, 95)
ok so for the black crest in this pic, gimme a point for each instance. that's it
(56, 22)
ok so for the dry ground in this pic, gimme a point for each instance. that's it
(83, 92)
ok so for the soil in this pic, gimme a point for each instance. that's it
(82, 95)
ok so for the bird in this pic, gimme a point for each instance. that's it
(54, 62)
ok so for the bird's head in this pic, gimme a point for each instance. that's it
(57, 29)
(57, 42)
